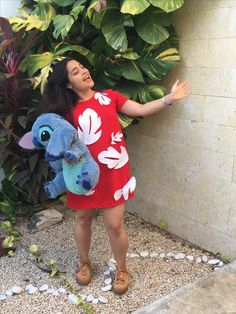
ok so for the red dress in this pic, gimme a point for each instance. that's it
(98, 127)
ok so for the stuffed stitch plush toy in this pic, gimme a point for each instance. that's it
(76, 170)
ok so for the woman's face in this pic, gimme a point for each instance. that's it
(78, 76)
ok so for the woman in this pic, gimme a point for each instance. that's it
(69, 92)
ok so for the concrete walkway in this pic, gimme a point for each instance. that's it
(214, 293)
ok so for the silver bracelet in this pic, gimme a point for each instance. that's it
(164, 101)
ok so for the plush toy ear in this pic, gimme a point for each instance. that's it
(27, 141)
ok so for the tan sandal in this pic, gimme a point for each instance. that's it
(84, 273)
(121, 283)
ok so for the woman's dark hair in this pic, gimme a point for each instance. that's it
(57, 98)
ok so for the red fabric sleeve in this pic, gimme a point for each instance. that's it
(119, 98)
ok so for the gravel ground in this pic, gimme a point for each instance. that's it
(152, 278)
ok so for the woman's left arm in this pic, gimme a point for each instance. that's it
(178, 92)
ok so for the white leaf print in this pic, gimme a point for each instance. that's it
(112, 158)
(129, 187)
(89, 123)
(90, 193)
(102, 99)
(116, 138)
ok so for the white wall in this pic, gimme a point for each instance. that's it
(184, 158)
(9, 7)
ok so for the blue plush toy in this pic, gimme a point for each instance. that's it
(76, 170)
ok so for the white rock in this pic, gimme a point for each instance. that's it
(112, 260)
(190, 258)
(106, 288)
(217, 268)
(154, 254)
(90, 298)
(102, 299)
(108, 281)
(112, 268)
(73, 298)
(3, 297)
(43, 288)
(95, 301)
(198, 260)
(61, 290)
(133, 255)
(28, 286)
(32, 290)
(221, 264)
(55, 293)
(162, 255)
(144, 254)
(8, 292)
(17, 289)
(179, 256)
(110, 264)
(50, 290)
(170, 254)
(106, 273)
(213, 261)
(204, 259)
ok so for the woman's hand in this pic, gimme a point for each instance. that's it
(178, 91)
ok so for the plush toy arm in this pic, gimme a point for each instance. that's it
(55, 187)
(56, 165)
(76, 151)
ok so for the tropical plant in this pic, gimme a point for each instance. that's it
(130, 45)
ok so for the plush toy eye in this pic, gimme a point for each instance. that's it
(45, 134)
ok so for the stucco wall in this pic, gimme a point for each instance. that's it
(184, 158)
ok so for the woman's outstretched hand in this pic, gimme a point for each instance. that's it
(178, 91)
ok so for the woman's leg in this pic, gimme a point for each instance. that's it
(84, 218)
(113, 221)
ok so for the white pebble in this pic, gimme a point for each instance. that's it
(221, 264)
(43, 288)
(95, 301)
(204, 259)
(216, 268)
(144, 254)
(3, 297)
(162, 255)
(9, 292)
(170, 254)
(110, 264)
(73, 298)
(198, 260)
(55, 293)
(179, 256)
(62, 290)
(50, 290)
(17, 289)
(102, 299)
(112, 260)
(83, 296)
(106, 288)
(106, 273)
(32, 290)
(190, 258)
(154, 254)
(213, 261)
(133, 255)
(108, 281)
(90, 298)
(112, 268)
(27, 287)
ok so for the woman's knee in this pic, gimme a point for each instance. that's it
(115, 227)
(84, 218)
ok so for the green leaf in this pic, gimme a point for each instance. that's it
(22, 120)
(36, 61)
(125, 120)
(151, 92)
(62, 25)
(54, 272)
(77, 9)
(132, 72)
(149, 28)
(133, 6)
(9, 241)
(63, 3)
(132, 55)
(167, 5)
(33, 161)
(114, 31)
(33, 248)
